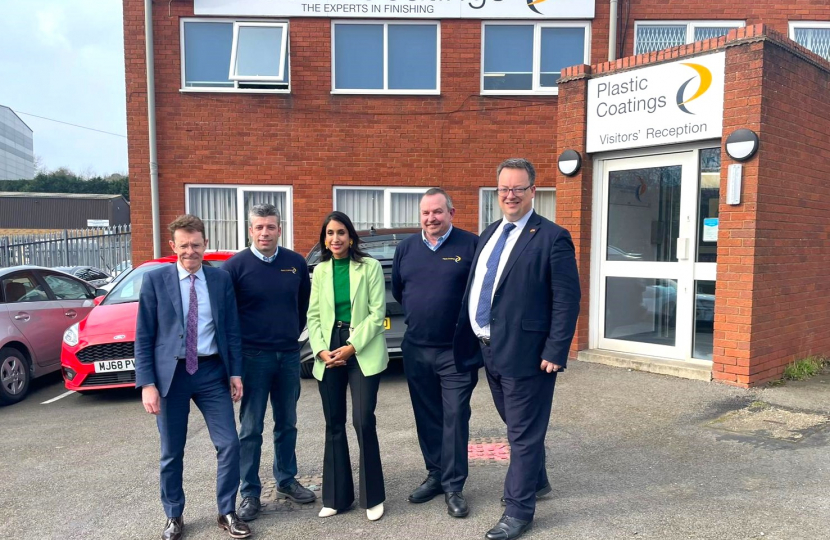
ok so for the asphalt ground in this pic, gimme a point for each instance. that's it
(630, 455)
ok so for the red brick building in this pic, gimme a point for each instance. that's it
(366, 103)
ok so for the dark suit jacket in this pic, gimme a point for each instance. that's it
(535, 306)
(160, 327)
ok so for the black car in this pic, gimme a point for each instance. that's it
(94, 276)
(380, 244)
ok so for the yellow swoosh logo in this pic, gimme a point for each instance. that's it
(705, 81)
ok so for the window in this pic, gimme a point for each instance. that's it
(544, 203)
(23, 287)
(815, 36)
(520, 58)
(658, 35)
(224, 210)
(66, 288)
(221, 55)
(380, 207)
(385, 58)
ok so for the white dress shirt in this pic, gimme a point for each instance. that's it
(441, 239)
(481, 268)
(207, 332)
(262, 257)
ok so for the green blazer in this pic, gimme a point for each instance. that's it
(367, 291)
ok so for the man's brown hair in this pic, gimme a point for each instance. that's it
(189, 223)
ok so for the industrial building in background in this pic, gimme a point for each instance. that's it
(683, 144)
(17, 154)
(29, 213)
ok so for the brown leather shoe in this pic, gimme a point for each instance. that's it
(174, 529)
(236, 527)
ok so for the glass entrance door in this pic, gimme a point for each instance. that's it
(649, 245)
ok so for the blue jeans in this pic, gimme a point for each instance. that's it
(275, 375)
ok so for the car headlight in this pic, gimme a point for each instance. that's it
(70, 336)
(303, 336)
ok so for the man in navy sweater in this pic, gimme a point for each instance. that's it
(272, 291)
(429, 276)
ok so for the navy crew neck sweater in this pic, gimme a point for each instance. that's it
(430, 285)
(272, 299)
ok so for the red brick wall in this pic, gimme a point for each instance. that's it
(775, 14)
(772, 298)
(791, 293)
(312, 140)
(574, 194)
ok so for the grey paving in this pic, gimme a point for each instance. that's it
(631, 455)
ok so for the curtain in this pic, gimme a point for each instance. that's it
(545, 204)
(490, 210)
(405, 210)
(363, 206)
(217, 208)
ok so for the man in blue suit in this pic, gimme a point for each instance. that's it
(187, 347)
(518, 319)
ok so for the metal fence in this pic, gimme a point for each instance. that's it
(108, 248)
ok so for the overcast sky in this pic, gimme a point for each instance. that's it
(64, 59)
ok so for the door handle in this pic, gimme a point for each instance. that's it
(682, 249)
(22, 317)
(71, 313)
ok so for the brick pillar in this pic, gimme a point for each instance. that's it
(574, 194)
(737, 229)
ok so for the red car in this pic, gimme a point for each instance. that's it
(97, 353)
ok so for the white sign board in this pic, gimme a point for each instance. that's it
(665, 104)
(404, 9)
(97, 223)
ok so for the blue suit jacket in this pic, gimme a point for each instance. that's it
(160, 330)
(535, 306)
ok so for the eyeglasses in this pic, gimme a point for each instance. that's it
(517, 191)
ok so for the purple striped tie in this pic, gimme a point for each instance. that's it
(192, 336)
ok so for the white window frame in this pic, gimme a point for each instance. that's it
(810, 25)
(235, 89)
(287, 235)
(481, 224)
(234, 66)
(387, 198)
(386, 90)
(537, 54)
(691, 26)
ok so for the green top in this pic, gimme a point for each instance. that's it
(342, 302)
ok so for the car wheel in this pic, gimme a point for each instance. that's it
(307, 370)
(14, 376)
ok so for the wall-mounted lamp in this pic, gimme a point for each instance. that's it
(570, 162)
(742, 144)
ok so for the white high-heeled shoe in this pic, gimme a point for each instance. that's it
(375, 513)
(326, 512)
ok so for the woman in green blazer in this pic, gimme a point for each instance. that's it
(345, 329)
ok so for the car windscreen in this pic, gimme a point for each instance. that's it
(128, 288)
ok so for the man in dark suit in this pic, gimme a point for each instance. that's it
(518, 318)
(187, 347)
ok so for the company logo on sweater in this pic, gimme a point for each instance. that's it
(705, 77)
(292, 270)
(457, 258)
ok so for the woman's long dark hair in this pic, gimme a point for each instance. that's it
(355, 253)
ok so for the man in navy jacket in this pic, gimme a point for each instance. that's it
(518, 318)
(187, 347)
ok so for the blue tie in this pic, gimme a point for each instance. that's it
(485, 298)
